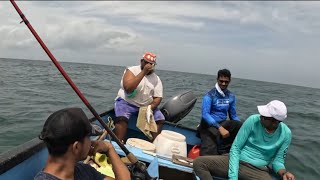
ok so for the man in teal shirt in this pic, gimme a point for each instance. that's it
(262, 140)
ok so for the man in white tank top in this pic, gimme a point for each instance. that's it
(140, 86)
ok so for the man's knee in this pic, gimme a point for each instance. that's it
(121, 125)
(121, 120)
(199, 163)
(160, 122)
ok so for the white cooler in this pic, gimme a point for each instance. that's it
(168, 143)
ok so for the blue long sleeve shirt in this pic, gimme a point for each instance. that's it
(215, 108)
(256, 147)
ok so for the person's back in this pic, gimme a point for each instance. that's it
(81, 172)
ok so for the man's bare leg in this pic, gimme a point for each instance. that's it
(121, 127)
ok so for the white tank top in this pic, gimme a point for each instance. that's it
(149, 87)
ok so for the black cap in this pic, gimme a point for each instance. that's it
(66, 126)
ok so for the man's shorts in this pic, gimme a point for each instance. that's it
(123, 108)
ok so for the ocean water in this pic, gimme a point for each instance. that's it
(31, 90)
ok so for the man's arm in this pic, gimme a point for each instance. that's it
(232, 109)
(237, 146)
(206, 108)
(119, 168)
(131, 82)
(278, 162)
(155, 103)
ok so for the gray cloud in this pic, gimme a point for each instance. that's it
(270, 41)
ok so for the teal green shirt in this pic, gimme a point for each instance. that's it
(255, 146)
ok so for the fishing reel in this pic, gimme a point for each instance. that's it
(139, 171)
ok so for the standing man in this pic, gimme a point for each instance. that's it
(262, 140)
(140, 86)
(216, 132)
(66, 134)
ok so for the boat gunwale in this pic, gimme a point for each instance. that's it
(18, 154)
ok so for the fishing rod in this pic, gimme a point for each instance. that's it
(69, 80)
(129, 155)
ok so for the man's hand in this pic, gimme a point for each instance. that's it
(224, 133)
(147, 68)
(100, 146)
(288, 176)
(120, 170)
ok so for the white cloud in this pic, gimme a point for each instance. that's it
(187, 36)
(277, 16)
(12, 36)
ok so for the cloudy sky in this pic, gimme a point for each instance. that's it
(267, 41)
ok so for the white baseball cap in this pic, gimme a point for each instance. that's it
(275, 109)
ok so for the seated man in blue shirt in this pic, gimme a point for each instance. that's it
(262, 140)
(216, 132)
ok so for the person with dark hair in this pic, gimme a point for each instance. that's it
(140, 87)
(66, 134)
(263, 140)
(216, 132)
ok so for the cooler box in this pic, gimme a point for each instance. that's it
(168, 143)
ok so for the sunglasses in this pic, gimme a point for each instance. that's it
(146, 62)
(271, 119)
(222, 81)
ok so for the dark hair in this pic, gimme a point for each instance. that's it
(58, 149)
(63, 128)
(224, 72)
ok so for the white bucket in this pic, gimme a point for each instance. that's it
(141, 144)
(168, 143)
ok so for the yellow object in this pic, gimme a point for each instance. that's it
(105, 168)
(145, 126)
